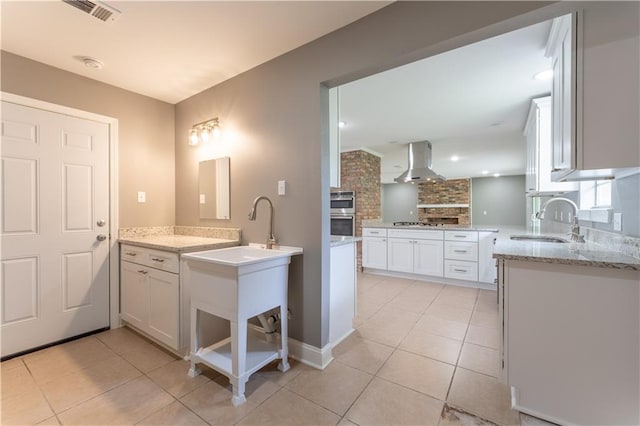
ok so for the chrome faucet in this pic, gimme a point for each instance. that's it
(252, 216)
(575, 226)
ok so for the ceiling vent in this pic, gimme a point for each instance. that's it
(96, 9)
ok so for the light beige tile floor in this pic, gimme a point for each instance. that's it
(422, 354)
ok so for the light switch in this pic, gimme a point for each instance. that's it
(202, 199)
(142, 197)
(282, 187)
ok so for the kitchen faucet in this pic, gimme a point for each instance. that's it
(252, 216)
(575, 226)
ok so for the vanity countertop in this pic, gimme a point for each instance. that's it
(572, 253)
(179, 243)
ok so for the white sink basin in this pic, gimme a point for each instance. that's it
(242, 255)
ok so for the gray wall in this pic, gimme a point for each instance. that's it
(399, 202)
(278, 116)
(498, 201)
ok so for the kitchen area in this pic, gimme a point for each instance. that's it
(527, 205)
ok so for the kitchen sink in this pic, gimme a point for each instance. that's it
(539, 238)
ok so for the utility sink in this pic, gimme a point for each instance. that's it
(242, 255)
(236, 284)
(539, 238)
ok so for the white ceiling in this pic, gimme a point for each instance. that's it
(170, 50)
(471, 102)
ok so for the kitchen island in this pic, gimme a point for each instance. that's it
(343, 288)
(570, 331)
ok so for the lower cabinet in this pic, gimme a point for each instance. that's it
(415, 256)
(150, 294)
(374, 248)
(150, 301)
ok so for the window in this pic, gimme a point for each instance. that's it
(595, 194)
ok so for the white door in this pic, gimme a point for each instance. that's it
(55, 209)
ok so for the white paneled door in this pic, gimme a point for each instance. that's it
(54, 227)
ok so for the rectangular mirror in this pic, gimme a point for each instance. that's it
(213, 183)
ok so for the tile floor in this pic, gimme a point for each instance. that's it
(422, 354)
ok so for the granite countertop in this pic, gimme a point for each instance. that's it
(572, 253)
(431, 228)
(178, 243)
(339, 241)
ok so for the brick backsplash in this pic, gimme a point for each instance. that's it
(453, 191)
(360, 172)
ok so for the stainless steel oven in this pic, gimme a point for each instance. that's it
(343, 225)
(343, 202)
(343, 213)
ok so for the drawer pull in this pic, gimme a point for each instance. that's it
(374, 232)
(143, 272)
(460, 270)
(157, 259)
(131, 253)
(460, 251)
(460, 236)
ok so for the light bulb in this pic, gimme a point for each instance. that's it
(204, 134)
(216, 131)
(193, 137)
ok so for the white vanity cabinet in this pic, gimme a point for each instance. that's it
(150, 293)
(374, 248)
(415, 251)
(595, 103)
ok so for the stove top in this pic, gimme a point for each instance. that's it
(430, 224)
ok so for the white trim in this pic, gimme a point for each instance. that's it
(310, 355)
(341, 338)
(114, 270)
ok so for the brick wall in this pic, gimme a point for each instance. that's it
(454, 191)
(360, 172)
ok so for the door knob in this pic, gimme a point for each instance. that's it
(101, 222)
(101, 237)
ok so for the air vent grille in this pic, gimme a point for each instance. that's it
(96, 9)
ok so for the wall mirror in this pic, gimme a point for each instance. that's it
(213, 186)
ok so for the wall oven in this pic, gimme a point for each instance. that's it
(343, 213)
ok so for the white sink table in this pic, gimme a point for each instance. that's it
(236, 284)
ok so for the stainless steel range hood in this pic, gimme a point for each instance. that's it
(419, 165)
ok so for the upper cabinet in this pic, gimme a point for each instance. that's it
(334, 137)
(595, 97)
(538, 133)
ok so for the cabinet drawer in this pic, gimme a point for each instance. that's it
(374, 232)
(461, 251)
(416, 234)
(159, 259)
(461, 270)
(461, 235)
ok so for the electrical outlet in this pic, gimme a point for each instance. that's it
(617, 221)
(282, 187)
(142, 197)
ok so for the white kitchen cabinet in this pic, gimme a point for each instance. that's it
(374, 248)
(461, 250)
(595, 95)
(461, 270)
(487, 265)
(343, 292)
(538, 133)
(570, 341)
(334, 137)
(150, 293)
(415, 251)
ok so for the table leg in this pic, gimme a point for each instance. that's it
(193, 369)
(284, 328)
(238, 361)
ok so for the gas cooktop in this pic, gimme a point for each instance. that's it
(417, 224)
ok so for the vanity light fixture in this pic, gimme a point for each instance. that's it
(205, 131)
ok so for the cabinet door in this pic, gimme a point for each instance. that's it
(164, 299)
(428, 258)
(563, 95)
(400, 254)
(374, 253)
(134, 293)
(487, 272)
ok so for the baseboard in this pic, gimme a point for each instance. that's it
(310, 355)
(341, 338)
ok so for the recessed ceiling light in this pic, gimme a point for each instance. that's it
(496, 175)
(92, 63)
(485, 172)
(341, 124)
(544, 75)
(454, 158)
